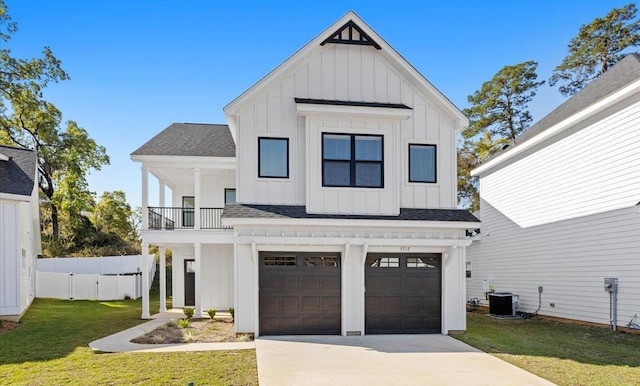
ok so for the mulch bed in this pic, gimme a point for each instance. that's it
(5, 325)
(199, 331)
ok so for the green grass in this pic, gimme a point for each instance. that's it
(51, 347)
(565, 354)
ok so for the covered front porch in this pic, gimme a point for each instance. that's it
(201, 273)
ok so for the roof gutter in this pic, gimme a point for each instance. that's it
(559, 127)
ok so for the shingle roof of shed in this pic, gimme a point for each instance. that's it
(191, 139)
(620, 75)
(17, 175)
(299, 212)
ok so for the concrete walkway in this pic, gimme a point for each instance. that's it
(121, 341)
(382, 360)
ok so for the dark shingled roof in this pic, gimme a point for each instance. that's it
(620, 75)
(17, 175)
(191, 139)
(299, 211)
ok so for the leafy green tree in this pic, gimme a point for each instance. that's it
(66, 153)
(597, 47)
(471, 153)
(498, 113)
(112, 213)
(500, 107)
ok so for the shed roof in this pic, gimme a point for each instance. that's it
(191, 139)
(299, 212)
(17, 174)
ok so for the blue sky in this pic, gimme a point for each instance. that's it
(137, 66)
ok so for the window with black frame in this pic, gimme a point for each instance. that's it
(422, 163)
(273, 157)
(229, 196)
(351, 160)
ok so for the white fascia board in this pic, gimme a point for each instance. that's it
(462, 120)
(559, 127)
(4, 157)
(14, 197)
(310, 109)
(351, 223)
(340, 241)
(186, 236)
(175, 161)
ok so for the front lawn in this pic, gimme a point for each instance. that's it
(51, 347)
(565, 354)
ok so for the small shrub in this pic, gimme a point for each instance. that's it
(183, 323)
(211, 312)
(188, 312)
(189, 336)
(232, 312)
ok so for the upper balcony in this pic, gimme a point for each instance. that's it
(170, 218)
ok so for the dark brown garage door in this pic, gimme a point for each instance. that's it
(299, 293)
(402, 293)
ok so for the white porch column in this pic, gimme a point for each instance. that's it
(144, 268)
(161, 189)
(145, 198)
(196, 199)
(198, 261)
(163, 279)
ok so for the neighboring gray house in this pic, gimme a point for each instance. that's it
(19, 230)
(559, 208)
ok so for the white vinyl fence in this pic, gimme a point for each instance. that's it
(96, 278)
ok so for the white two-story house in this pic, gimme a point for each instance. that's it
(339, 197)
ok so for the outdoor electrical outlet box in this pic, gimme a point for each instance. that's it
(611, 284)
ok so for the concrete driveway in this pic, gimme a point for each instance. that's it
(382, 360)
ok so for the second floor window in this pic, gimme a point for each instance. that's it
(229, 196)
(273, 157)
(422, 163)
(350, 160)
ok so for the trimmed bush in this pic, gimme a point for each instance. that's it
(183, 323)
(188, 312)
(211, 312)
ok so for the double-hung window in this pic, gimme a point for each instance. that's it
(351, 160)
(422, 163)
(273, 157)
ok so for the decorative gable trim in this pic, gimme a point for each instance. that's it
(350, 33)
(388, 54)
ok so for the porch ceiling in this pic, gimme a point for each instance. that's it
(184, 176)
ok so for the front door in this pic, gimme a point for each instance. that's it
(189, 283)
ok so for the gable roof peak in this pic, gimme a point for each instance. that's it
(349, 23)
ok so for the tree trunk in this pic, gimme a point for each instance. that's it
(54, 220)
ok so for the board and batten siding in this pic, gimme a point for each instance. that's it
(350, 73)
(217, 281)
(565, 217)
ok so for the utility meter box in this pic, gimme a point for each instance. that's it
(611, 284)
